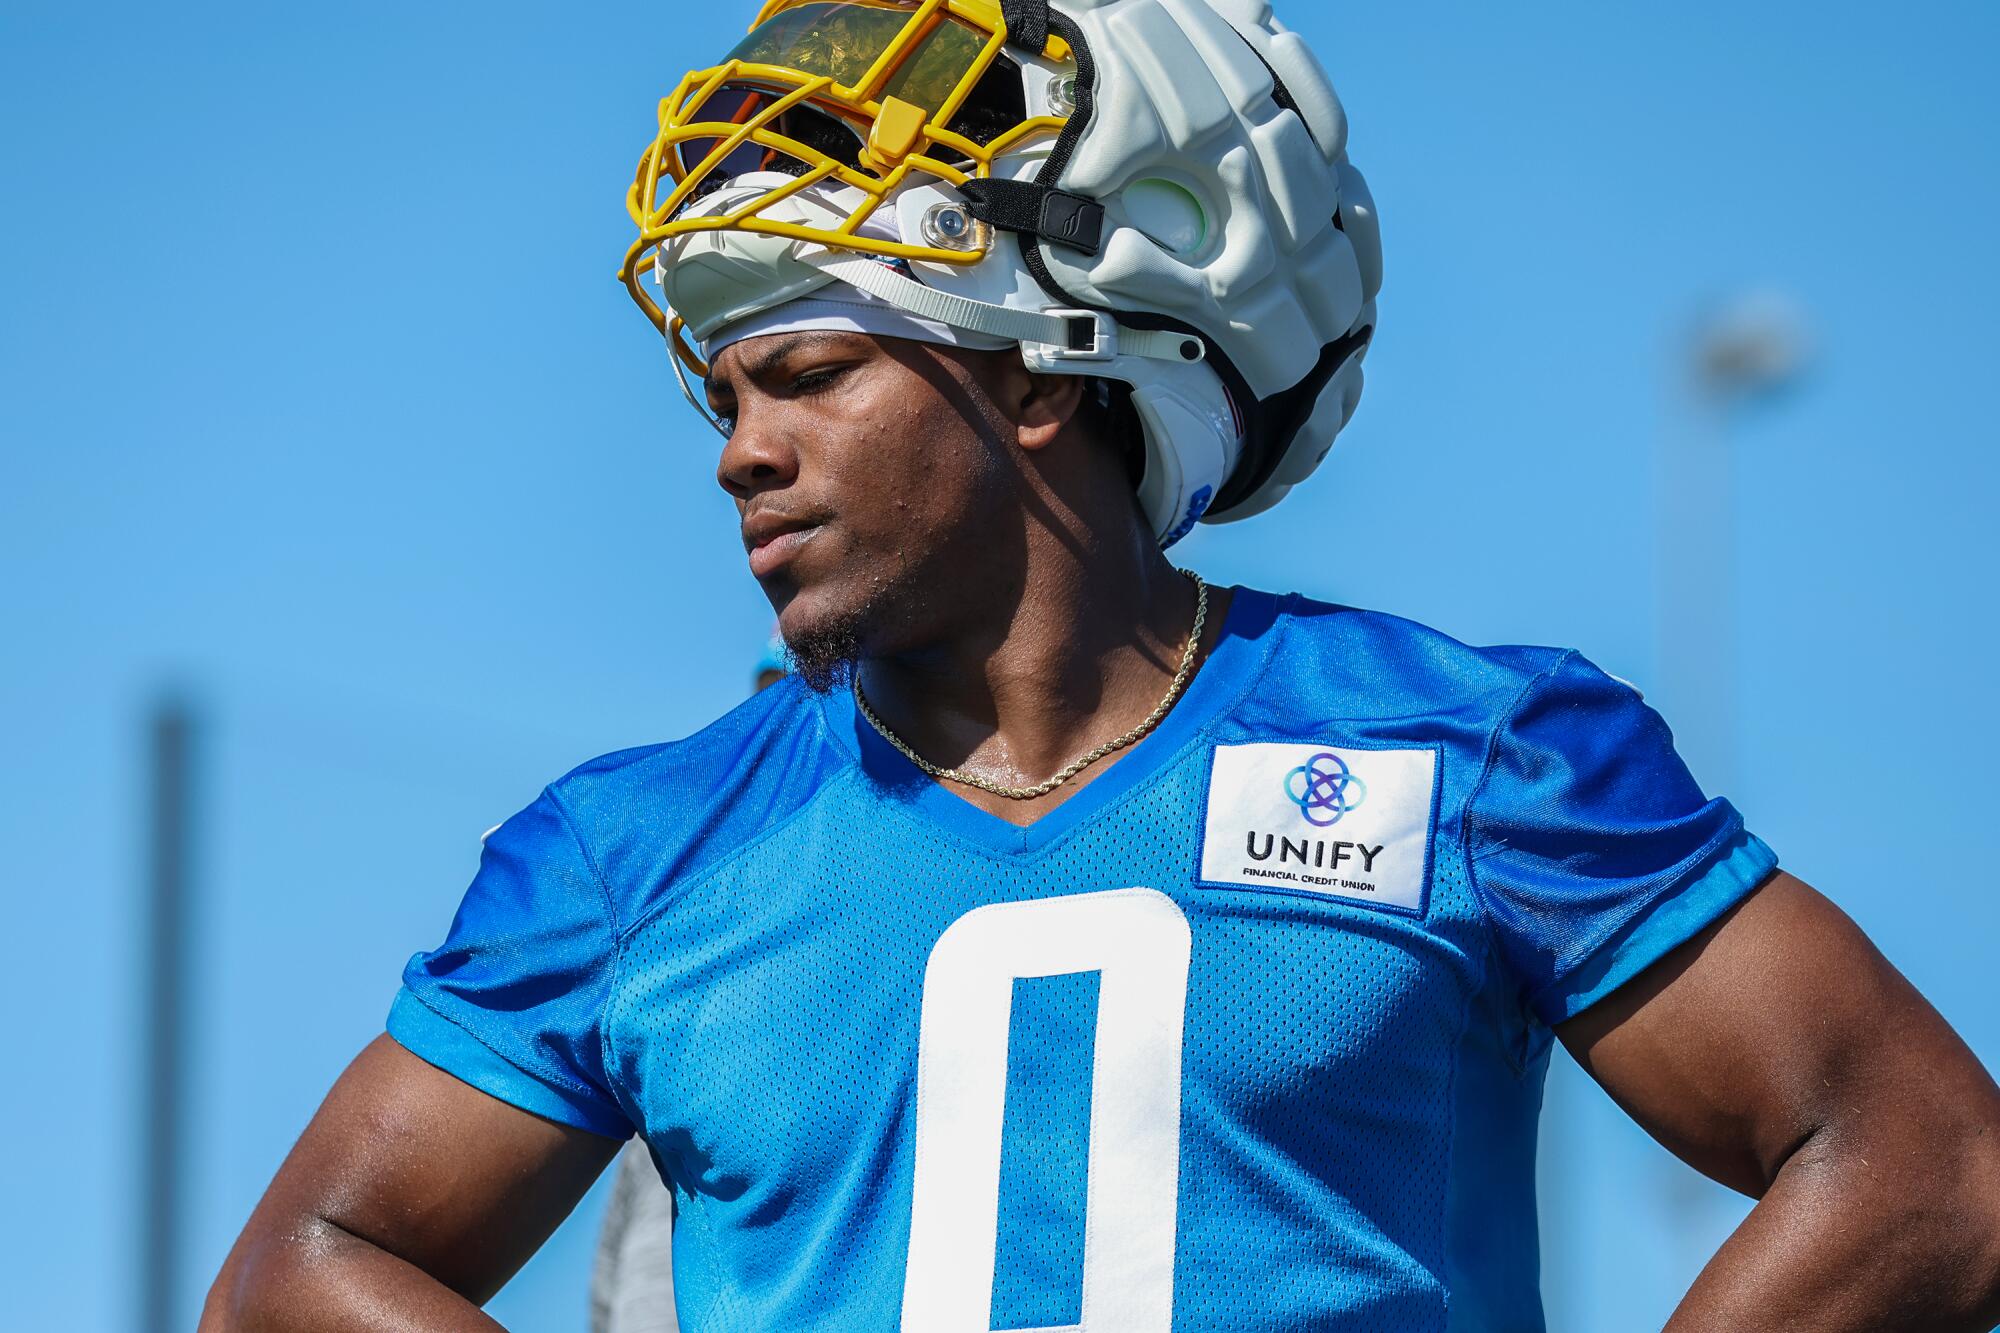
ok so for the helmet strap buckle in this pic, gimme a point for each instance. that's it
(1089, 335)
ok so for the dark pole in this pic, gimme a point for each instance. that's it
(170, 745)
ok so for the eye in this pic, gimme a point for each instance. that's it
(723, 415)
(815, 380)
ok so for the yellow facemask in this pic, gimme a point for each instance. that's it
(860, 93)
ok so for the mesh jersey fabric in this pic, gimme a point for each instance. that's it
(726, 944)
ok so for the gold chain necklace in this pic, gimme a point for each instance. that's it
(1109, 747)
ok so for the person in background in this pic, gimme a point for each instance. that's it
(771, 666)
(632, 1282)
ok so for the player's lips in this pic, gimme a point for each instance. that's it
(773, 539)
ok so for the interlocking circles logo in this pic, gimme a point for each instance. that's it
(1324, 789)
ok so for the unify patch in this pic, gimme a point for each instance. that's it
(1321, 819)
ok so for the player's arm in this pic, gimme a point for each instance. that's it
(410, 1199)
(451, 1148)
(1779, 1053)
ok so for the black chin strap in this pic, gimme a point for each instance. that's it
(1037, 209)
(1056, 216)
(1045, 215)
(1027, 24)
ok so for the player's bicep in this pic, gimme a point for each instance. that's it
(1777, 1025)
(407, 1158)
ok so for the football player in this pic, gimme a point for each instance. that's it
(1068, 943)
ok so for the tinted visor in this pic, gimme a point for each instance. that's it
(842, 40)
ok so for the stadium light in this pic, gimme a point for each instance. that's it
(1749, 349)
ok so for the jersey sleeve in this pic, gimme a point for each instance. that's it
(1593, 850)
(514, 999)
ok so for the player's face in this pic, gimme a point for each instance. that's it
(872, 477)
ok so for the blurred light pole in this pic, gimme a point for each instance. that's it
(1670, 1220)
(1743, 353)
(163, 993)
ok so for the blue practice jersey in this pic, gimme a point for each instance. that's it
(1249, 1034)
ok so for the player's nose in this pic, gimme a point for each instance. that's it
(757, 456)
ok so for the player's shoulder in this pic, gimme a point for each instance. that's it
(783, 716)
(653, 815)
(1386, 665)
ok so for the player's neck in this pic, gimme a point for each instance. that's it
(1086, 652)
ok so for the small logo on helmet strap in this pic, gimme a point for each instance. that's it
(1073, 221)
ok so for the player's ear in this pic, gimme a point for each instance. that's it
(1033, 407)
(1043, 405)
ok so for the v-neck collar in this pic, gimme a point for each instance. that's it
(1234, 663)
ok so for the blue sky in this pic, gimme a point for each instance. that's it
(318, 401)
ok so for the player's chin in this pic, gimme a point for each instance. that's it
(828, 605)
(824, 636)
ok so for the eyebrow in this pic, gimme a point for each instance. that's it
(765, 359)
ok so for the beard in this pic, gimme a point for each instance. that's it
(824, 657)
(826, 654)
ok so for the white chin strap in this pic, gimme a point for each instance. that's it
(1053, 342)
(1178, 484)
(740, 286)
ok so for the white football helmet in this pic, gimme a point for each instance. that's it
(1154, 192)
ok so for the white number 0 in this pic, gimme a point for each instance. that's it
(1139, 943)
